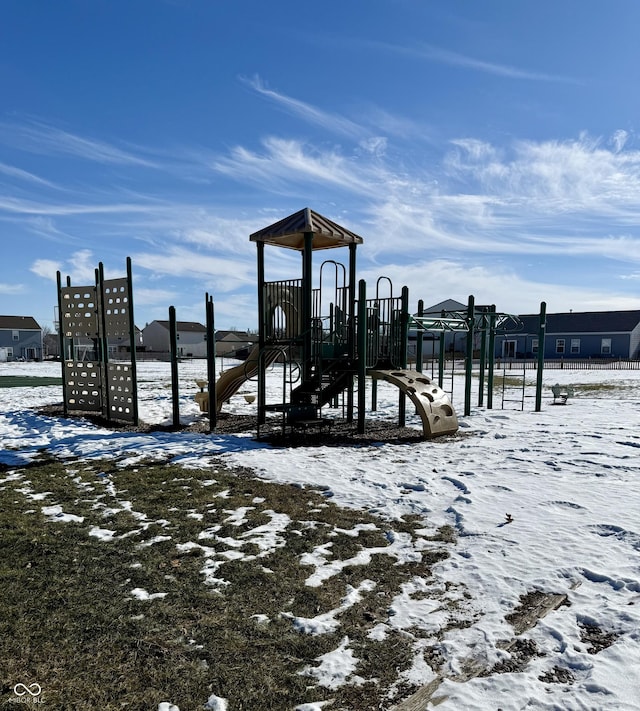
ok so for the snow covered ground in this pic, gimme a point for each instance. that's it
(566, 477)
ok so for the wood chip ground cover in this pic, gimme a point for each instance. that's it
(123, 587)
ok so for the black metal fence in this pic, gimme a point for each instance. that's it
(458, 363)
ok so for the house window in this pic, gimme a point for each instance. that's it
(575, 345)
(534, 345)
(509, 349)
(560, 345)
(605, 346)
(15, 335)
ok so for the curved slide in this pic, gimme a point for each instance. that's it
(432, 404)
(231, 380)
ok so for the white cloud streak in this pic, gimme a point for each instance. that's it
(312, 114)
(25, 176)
(11, 289)
(37, 137)
(431, 53)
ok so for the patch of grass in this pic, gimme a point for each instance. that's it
(27, 381)
(591, 389)
(71, 622)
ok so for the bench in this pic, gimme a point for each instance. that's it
(561, 393)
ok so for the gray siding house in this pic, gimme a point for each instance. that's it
(191, 337)
(234, 344)
(20, 338)
(449, 308)
(578, 335)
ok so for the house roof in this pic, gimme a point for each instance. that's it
(241, 336)
(185, 326)
(447, 305)
(289, 232)
(584, 322)
(19, 323)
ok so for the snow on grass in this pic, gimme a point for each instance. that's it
(542, 501)
(335, 668)
(55, 513)
(142, 594)
(328, 622)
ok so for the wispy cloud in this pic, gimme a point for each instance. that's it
(11, 289)
(25, 176)
(372, 120)
(226, 273)
(329, 121)
(80, 266)
(440, 55)
(493, 283)
(577, 176)
(287, 162)
(37, 137)
(527, 197)
(46, 268)
(30, 207)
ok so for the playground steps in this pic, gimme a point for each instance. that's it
(322, 389)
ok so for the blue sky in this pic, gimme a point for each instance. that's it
(487, 148)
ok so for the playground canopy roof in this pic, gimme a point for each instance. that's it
(290, 232)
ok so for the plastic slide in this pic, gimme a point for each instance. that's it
(231, 380)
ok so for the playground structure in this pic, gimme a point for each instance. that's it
(326, 339)
(329, 338)
(92, 319)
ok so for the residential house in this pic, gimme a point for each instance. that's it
(578, 335)
(234, 344)
(453, 340)
(121, 346)
(191, 338)
(20, 338)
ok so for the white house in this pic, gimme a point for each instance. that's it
(191, 337)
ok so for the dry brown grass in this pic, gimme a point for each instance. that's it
(69, 622)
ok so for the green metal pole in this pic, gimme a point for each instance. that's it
(63, 360)
(362, 354)
(211, 364)
(541, 343)
(404, 336)
(441, 358)
(307, 288)
(483, 358)
(132, 341)
(351, 321)
(173, 346)
(492, 349)
(469, 358)
(104, 343)
(419, 338)
(262, 325)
